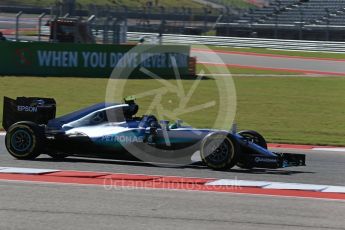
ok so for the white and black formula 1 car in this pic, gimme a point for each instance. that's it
(112, 131)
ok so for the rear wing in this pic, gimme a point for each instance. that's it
(35, 109)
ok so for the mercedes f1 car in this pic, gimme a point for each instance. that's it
(110, 130)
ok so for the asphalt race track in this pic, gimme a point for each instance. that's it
(49, 206)
(44, 207)
(273, 62)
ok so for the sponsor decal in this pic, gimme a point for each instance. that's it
(23, 108)
(265, 160)
(122, 139)
(57, 58)
(73, 59)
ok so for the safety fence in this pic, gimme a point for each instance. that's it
(282, 44)
(302, 45)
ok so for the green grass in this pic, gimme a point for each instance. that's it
(281, 52)
(237, 3)
(76, 93)
(293, 110)
(284, 109)
(209, 33)
(168, 4)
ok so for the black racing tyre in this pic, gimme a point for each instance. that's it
(25, 140)
(254, 137)
(219, 151)
(58, 156)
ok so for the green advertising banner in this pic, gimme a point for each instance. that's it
(92, 60)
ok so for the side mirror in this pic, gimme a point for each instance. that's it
(151, 130)
(176, 125)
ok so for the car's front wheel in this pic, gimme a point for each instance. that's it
(254, 137)
(24, 140)
(219, 151)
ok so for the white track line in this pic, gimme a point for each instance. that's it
(329, 149)
(26, 170)
(218, 182)
(278, 185)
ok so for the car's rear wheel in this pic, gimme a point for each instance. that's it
(254, 137)
(24, 140)
(219, 151)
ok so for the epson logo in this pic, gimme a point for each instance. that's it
(265, 160)
(22, 108)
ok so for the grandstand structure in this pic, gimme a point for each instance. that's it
(290, 19)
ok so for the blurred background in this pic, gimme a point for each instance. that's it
(117, 21)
